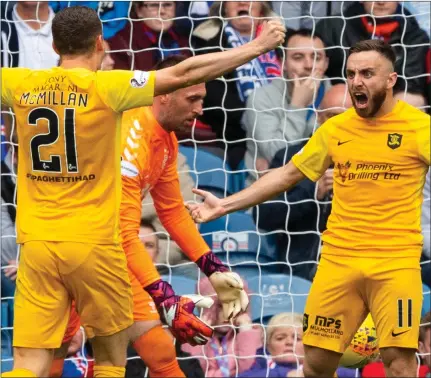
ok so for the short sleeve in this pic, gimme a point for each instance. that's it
(123, 90)
(313, 160)
(423, 140)
(11, 78)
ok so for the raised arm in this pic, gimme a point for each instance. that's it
(207, 67)
(272, 184)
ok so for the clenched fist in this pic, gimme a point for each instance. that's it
(272, 35)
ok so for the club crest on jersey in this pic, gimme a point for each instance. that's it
(139, 79)
(343, 169)
(394, 140)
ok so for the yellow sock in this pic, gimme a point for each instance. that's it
(109, 371)
(25, 373)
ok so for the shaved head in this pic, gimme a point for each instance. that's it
(335, 101)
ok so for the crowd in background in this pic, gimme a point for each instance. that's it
(255, 119)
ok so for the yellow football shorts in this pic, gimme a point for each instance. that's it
(51, 274)
(345, 289)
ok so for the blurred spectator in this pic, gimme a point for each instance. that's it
(296, 214)
(148, 38)
(149, 238)
(114, 14)
(414, 98)
(26, 37)
(386, 20)
(422, 11)
(9, 248)
(305, 14)
(284, 110)
(233, 346)
(376, 369)
(234, 24)
(283, 351)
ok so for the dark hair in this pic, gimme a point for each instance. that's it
(302, 33)
(377, 45)
(170, 61)
(75, 29)
(148, 224)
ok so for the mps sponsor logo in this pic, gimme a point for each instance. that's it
(128, 169)
(139, 79)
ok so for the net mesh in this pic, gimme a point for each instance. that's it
(274, 280)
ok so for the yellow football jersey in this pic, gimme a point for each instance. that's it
(379, 173)
(69, 124)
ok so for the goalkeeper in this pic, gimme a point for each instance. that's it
(380, 149)
(149, 164)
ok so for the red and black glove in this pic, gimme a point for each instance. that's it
(177, 312)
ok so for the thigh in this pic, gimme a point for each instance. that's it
(144, 308)
(42, 302)
(100, 286)
(335, 308)
(394, 296)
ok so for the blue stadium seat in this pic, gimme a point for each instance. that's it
(426, 305)
(181, 285)
(276, 293)
(209, 171)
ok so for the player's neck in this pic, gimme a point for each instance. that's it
(71, 62)
(387, 107)
(158, 115)
(34, 17)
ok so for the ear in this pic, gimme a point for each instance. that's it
(99, 43)
(164, 99)
(392, 79)
(422, 348)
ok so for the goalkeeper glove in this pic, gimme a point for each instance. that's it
(228, 285)
(177, 312)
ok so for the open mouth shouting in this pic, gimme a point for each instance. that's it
(360, 100)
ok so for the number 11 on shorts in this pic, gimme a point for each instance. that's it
(405, 318)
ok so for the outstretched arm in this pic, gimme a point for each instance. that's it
(272, 184)
(207, 67)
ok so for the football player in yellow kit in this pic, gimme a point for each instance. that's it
(68, 123)
(380, 149)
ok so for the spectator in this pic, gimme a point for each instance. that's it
(149, 238)
(232, 348)
(414, 98)
(149, 38)
(283, 111)
(283, 351)
(26, 37)
(304, 14)
(387, 20)
(296, 214)
(237, 23)
(9, 248)
(114, 14)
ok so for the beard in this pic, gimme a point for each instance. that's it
(375, 102)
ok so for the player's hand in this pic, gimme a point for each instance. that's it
(272, 35)
(11, 271)
(206, 211)
(325, 184)
(177, 313)
(304, 89)
(230, 292)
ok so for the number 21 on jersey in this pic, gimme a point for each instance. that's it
(54, 128)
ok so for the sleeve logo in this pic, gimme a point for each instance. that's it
(139, 79)
(128, 169)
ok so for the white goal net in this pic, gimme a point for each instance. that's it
(254, 119)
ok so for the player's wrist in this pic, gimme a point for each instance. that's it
(210, 263)
(160, 291)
